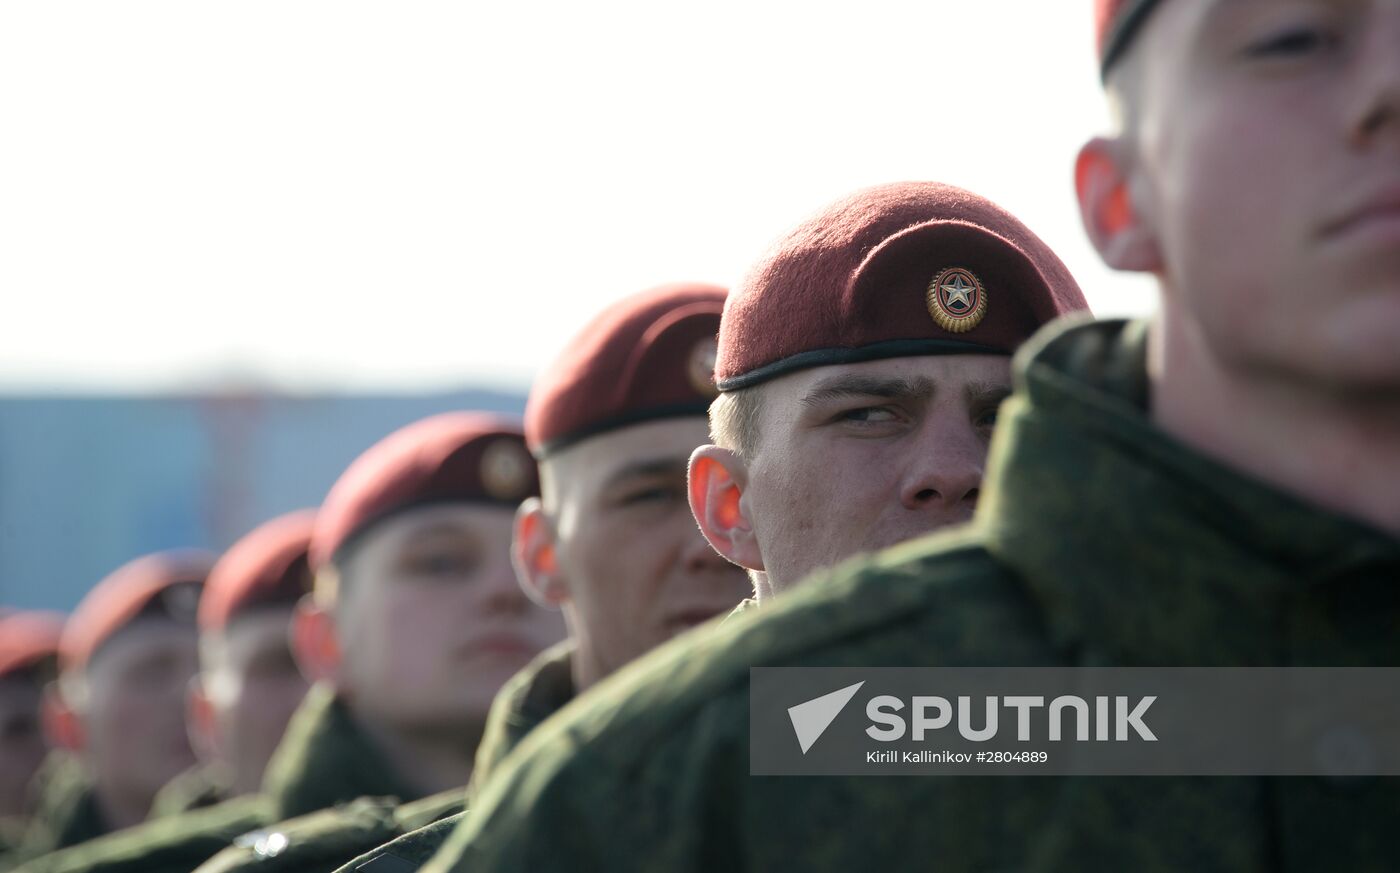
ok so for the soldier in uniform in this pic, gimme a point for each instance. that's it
(248, 685)
(416, 621)
(862, 363)
(28, 662)
(126, 659)
(1214, 486)
(613, 422)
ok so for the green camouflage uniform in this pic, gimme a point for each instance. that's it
(1098, 541)
(11, 834)
(744, 607)
(196, 788)
(530, 697)
(323, 760)
(65, 812)
(324, 840)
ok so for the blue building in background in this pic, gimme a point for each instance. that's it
(87, 483)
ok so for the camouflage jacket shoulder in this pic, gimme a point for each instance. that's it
(325, 759)
(538, 691)
(197, 788)
(176, 844)
(746, 605)
(407, 853)
(65, 811)
(324, 840)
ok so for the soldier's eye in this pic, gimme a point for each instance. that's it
(18, 729)
(442, 564)
(868, 415)
(654, 494)
(1293, 42)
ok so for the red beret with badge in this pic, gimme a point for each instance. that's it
(28, 639)
(456, 457)
(267, 567)
(901, 270)
(646, 357)
(164, 584)
(1116, 22)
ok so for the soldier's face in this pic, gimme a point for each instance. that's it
(1266, 163)
(253, 686)
(134, 717)
(22, 746)
(858, 457)
(431, 621)
(634, 568)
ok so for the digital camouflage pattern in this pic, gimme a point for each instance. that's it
(324, 840)
(538, 691)
(324, 759)
(1098, 541)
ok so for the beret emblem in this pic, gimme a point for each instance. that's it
(505, 470)
(956, 300)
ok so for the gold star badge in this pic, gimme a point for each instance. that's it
(505, 470)
(956, 300)
(700, 366)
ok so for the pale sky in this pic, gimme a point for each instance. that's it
(423, 195)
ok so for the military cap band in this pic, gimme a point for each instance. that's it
(908, 348)
(1118, 23)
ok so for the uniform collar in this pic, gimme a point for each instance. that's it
(325, 759)
(1136, 543)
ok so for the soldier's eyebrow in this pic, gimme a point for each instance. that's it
(646, 468)
(854, 385)
(985, 393)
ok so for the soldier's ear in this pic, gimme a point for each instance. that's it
(718, 478)
(201, 723)
(63, 727)
(534, 552)
(316, 641)
(1108, 204)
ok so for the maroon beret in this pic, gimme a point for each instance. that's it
(27, 639)
(646, 357)
(163, 584)
(1116, 22)
(267, 567)
(902, 270)
(456, 457)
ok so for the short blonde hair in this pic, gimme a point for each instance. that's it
(734, 417)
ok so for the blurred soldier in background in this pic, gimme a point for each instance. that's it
(28, 662)
(1215, 486)
(248, 684)
(128, 654)
(611, 540)
(862, 363)
(415, 623)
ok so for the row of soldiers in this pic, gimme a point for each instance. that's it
(1218, 485)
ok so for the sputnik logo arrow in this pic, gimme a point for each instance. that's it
(811, 719)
